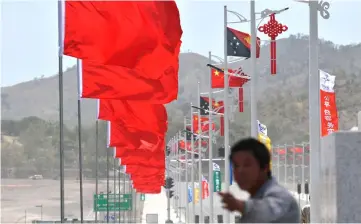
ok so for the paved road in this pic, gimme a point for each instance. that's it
(20, 195)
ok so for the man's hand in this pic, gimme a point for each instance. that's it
(231, 203)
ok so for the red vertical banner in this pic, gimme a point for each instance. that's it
(240, 99)
(329, 118)
(222, 126)
(205, 188)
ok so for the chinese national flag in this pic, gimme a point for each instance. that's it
(133, 138)
(132, 114)
(237, 78)
(123, 33)
(122, 83)
(204, 124)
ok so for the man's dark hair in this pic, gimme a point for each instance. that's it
(256, 148)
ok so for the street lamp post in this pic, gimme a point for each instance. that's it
(314, 103)
(254, 125)
(41, 211)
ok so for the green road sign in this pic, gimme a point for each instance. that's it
(217, 181)
(115, 202)
(142, 197)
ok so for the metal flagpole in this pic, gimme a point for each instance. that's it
(114, 181)
(124, 190)
(61, 110)
(79, 72)
(186, 168)
(192, 168)
(108, 184)
(254, 80)
(314, 112)
(179, 180)
(226, 118)
(96, 162)
(210, 144)
(168, 190)
(119, 198)
(200, 156)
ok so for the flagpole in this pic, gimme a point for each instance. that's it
(254, 77)
(108, 184)
(179, 180)
(226, 111)
(61, 110)
(186, 168)
(114, 182)
(119, 186)
(96, 161)
(192, 168)
(78, 65)
(200, 157)
(210, 144)
(314, 111)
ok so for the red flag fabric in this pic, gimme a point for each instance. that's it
(150, 171)
(117, 82)
(138, 182)
(156, 178)
(132, 114)
(240, 99)
(182, 145)
(120, 32)
(133, 138)
(204, 124)
(217, 106)
(222, 126)
(148, 190)
(140, 157)
(237, 78)
(205, 188)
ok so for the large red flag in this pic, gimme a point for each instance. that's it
(160, 177)
(150, 171)
(148, 190)
(120, 32)
(132, 138)
(117, 82)
(140, 157)
(132, 114)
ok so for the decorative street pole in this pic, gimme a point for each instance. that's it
(273, 29)
(314, 105)
(254, 125)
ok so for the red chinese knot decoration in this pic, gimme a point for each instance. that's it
(273, 29)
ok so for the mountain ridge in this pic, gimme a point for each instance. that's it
(283, 98)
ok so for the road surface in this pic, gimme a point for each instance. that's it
(21, 200)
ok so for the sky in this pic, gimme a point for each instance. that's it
(29, 31)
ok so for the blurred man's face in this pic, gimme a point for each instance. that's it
(246, 170)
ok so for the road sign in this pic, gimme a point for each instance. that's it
(115, 202)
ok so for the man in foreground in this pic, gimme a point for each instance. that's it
(269, 202)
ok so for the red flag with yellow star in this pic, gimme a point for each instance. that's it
(236, 77)
(204, 124)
